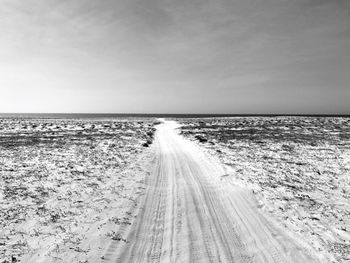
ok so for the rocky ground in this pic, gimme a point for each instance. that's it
(61, 178)
(298, 168)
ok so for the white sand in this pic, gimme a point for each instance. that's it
(190, 215)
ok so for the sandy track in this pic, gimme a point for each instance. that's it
(190, 214)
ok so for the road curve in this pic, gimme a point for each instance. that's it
(190, 215)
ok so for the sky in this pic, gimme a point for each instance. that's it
(183, 56)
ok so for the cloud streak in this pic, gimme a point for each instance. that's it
(166, 56)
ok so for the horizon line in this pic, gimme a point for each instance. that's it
(183, 114)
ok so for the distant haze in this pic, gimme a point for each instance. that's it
(183, 56)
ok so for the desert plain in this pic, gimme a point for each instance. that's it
(243, 189)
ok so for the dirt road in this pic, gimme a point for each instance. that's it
(189, 214)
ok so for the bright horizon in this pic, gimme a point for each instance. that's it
(180, 57)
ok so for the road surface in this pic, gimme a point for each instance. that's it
(189, 214)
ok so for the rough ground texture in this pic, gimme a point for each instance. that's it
(67, 186)
(100, 190)
(189, 214)
(298, 168)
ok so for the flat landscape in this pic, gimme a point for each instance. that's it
(147, 131)
(248, 189)
(297, 167)
(66, 185)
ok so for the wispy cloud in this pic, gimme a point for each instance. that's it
(221, 53)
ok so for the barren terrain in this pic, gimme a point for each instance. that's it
(297, 167)
(196, 190)
(189, 214)
(67, 186)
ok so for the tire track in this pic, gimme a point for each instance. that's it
(190, 215)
